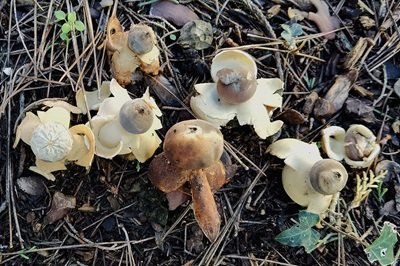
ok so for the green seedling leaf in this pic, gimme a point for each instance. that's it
(64, 36)
(79, 25)
(301, 234)
(60, 15)
(66, 28)
(381, 249)
(72, 17)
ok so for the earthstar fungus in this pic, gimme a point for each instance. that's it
(357, 146)
(129, 50)
(53, 141)
(308, 179)
(236, 92)
(126, 126)
(192, 152)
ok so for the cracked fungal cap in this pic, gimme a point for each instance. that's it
(192, 152)
(53, 142)
(237, 93)
(126, 126)
(357, 146)
(308, 179)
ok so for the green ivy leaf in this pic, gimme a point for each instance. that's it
(72, 17)
(79, 25)
(381, 249)
(60, 15)
(308, 219)
(66, 28)
(301, 234)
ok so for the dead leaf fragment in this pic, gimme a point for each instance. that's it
(196, 34)
(273, 11)
(360, 110)
(367, 22)
(176, 199)
(336, 96)
(31, 185)
(176, 13)
(292, 116)
(356, 53)
(392, 168)
(296, 14)
(60, 206)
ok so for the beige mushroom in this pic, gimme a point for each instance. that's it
(309, 180)
(357, 146)
(53, 142)
(92, 99)
(126, 126)
(237, 93)
(192, 152)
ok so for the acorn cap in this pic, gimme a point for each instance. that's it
(136, 116)
(235, 85)
(328, 176)
(193, 144)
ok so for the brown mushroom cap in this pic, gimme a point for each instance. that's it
(140, 39)
(136, 116)
(235, 85)
(328, 176)
(193, 144)
(165, 176)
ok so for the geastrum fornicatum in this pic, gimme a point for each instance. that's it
(192, 152)
(236, 92)
(309, 180)
(126, 126)
(129, 50)
(53, 141)
(357, 146)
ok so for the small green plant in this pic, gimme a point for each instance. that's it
(290, 32)
(302, 234)
(23, 253)
(70, 24)
(380, 192)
